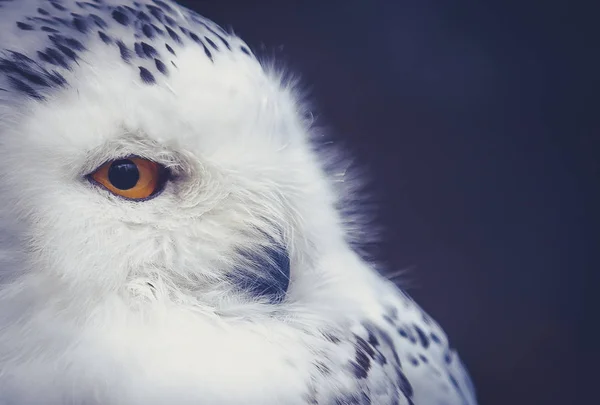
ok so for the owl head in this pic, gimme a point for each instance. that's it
(151, 160)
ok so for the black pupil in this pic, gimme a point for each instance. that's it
(123, 174)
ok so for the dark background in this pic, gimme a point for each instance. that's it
(478, 127)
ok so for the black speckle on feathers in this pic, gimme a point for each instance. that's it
(146, 76)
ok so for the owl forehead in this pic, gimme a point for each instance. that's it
(44, 41)
(106, 67)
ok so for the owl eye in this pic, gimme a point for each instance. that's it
(133, 178)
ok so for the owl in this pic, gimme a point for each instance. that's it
(171, 231)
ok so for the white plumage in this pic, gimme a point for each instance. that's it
(234, 281)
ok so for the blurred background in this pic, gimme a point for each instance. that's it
(477, 125)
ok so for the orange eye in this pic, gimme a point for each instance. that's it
(133, 178)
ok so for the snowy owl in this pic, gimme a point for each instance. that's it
(169, 233)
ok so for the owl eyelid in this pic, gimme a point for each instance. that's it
(165, 162)
(114, 158)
